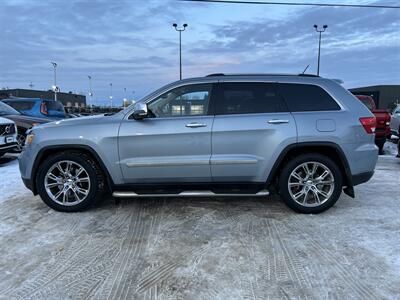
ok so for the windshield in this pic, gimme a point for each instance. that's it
(7, 110)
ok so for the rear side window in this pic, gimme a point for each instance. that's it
(55, 106)
(248, 98)
(21, 105)
(307, 97)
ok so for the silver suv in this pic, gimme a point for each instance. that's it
(305, 137)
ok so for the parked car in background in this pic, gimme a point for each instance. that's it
(37, 107)
(382, 130)
(8, 136)
(221, 135)
(22, 122)
(395, 121)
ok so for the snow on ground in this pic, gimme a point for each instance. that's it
(249, 248)
(11, 184)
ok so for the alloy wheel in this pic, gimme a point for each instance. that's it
(67, 183)
(20, 141)
(311, 184)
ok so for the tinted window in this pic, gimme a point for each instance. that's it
(306, 97)
(21, 105)
(248, 98)
(55, 105)
(190, 100)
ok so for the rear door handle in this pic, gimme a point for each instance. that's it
(196, 125)
(278, 121)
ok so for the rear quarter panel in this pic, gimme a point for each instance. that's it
(341, 127)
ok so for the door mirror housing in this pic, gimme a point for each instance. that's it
(140, 111)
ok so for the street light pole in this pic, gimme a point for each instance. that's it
(111, 94)
(320, 31)
(180, 46)
(90, 91)
(55, 80)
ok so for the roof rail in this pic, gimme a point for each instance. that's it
(261, 74)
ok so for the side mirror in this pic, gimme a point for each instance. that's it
(140, 111)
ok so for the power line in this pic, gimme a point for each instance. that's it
(296, 3)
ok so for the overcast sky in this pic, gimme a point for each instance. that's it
(132, 44)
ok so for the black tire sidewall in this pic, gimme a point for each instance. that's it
(84, 162)
(295, 162)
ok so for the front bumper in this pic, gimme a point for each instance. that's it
(8, 147)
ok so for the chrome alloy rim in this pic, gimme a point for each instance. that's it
(67, 183)
(20, 141)
(311, 184)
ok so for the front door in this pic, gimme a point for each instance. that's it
(173, 144)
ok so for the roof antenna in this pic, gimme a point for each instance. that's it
(305, 69)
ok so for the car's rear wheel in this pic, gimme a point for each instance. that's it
(69, 181)
(310, 183)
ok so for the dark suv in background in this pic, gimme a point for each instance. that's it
(22, 122)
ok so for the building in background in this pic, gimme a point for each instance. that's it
(385, 96)
(67, 99)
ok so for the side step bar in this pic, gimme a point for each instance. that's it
(188, 194)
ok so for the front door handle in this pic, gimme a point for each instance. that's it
(278, 121)
(196, 125)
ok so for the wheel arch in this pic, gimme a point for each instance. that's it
(330, 149)
(51, 150)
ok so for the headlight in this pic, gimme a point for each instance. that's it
(29, 139)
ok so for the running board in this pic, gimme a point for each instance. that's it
(188, 194)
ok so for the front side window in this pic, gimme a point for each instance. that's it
(190, 100)
(307, 97)
(248, 98)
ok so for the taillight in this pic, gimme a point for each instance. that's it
(43, 108)
(369, 124)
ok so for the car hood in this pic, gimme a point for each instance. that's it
(74, 121)
(27, 119)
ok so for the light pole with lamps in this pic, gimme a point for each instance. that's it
(320, 31)
(55, 88)
(111, 94)
(180, 46)
(90, 91)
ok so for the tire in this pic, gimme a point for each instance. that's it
(307, 202)
(72, 197)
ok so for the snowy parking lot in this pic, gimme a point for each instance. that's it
(165, 248)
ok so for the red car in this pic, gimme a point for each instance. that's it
(382, 130)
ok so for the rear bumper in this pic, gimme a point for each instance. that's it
(362, 177)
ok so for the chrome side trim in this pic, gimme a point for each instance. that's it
(167, 163)
(188, 194)
(233, 161)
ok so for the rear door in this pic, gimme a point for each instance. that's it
(174, 144)
(251, 127)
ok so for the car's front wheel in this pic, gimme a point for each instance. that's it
(69, 181)
(310, 183)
